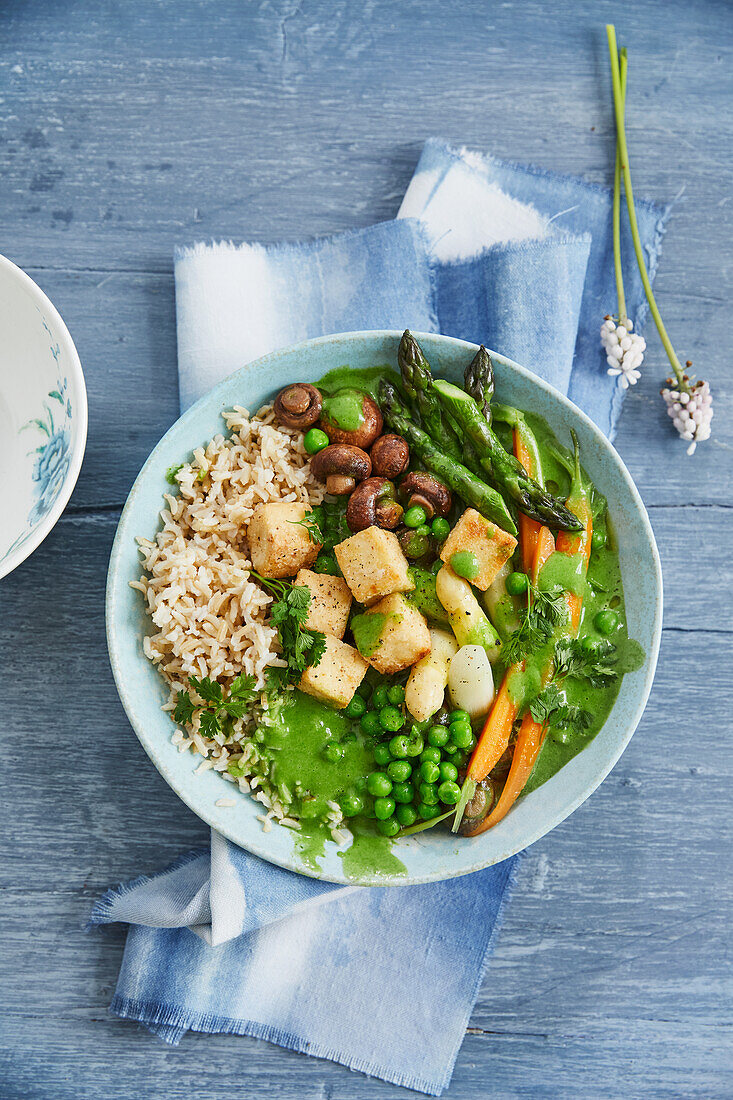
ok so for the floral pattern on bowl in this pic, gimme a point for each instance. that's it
(42, 415)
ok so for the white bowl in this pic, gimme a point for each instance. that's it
(43, 415)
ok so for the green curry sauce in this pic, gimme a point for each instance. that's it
(299, 733)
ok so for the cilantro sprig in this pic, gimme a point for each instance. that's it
(596, 665)
(216, 706)
(302, 648)
(551, 708)
(311, 525)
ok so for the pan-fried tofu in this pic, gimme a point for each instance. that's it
(373, 564)
(337, 675)
(491, 546)
(330, 603)
(279, 542)
(403, 639)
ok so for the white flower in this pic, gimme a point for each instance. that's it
(691, 412)
(624, 350)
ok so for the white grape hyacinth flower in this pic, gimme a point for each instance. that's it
(691, 412)
(624, 350)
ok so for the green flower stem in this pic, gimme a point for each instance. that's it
(617, 209)
(618, 103)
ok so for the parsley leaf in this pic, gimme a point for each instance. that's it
(597, 666)
(544, 611)
(209, 690)
(183, 713)
(552, 708)
(310, 523)
(301, 647)
(209, 724)
(242, 687)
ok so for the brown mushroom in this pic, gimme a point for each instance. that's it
(299, 405)
(373, 504)
(341, 466)
(425, 490)
(390, 455)
(478, 807)
(369, 427)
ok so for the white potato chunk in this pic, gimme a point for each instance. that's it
(279, 542)
(471, 681)
(427, 681)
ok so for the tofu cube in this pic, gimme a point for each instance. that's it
(279, 543)
(337, 675)
(404, 638)
(330, 603)
(491, 546)
(373, 564)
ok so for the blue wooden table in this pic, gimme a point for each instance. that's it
(128, 128)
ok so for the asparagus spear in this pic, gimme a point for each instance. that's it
(417, 382)
(479, 381)
(481, 496)
(507, 472)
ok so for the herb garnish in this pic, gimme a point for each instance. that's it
(543, 613)
(170, 474)
(216, 706)
(552, 708)
(311, 525)
(302, 648)
(597, 665)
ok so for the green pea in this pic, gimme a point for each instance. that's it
(383, 756)
(380, 696)
(389, 827)
(449, 792)
(437, 736)
(406, 815)
(383, 808)
(391, 719)
(356, 707)
(379, 785)
(430, 753)
(460, 716)
(450, 749)
(424, 530)
(369, 723)
(415, 516)
(606, 621)
(440, 528)
(592, 645)
(315, 440)
(396, 695)
(351, 804)
(464, 563)
(415, 746)
(429, 771)
(403, 792)
(598, 540)
(428, 810)
(461, 735)
(448, 771)
(399, 770)
(399, 746)
(516, 583)
(333, 752)
(428, 793)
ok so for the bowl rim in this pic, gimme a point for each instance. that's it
(81, 416)
(260, 850)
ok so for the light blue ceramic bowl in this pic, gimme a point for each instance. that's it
(434, 854)
(43, 415)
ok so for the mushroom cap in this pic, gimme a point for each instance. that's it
(424, 489)
(390, 455)
(298, 405)
(343, 460)
(363, 436)
(373, 503)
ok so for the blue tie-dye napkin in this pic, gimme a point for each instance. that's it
(382, 980)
